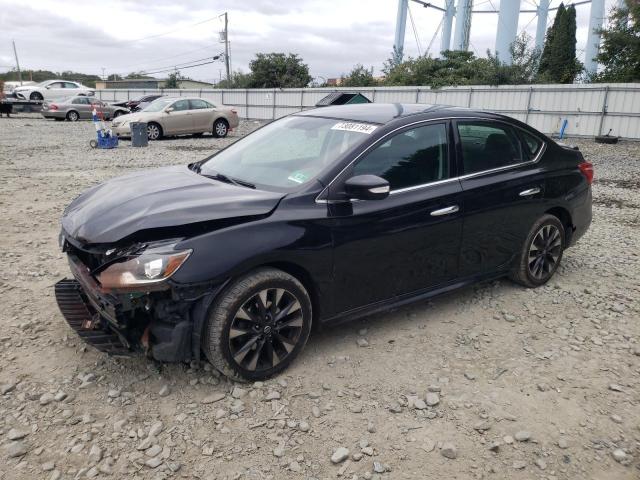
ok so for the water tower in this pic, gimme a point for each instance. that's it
(508, 15)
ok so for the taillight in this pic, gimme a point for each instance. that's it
(587, 170)
(53, 106)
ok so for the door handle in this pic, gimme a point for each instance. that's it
(445, 211)
(529, 192)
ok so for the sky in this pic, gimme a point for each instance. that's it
(91, 35)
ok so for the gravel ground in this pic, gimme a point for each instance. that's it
(494, 381)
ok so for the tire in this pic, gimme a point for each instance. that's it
(606, 139)
(154, 131)
(117, 113)
(253, 349)
(36, 97)
(73, 116)
(220, 128)
(93, 143)
(541, 253)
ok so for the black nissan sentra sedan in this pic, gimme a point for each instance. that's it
(319, 217)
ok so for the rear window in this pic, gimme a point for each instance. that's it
(532, 144)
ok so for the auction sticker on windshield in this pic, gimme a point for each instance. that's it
(354, 127)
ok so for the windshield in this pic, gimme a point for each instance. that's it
(288, 152)
(43, 84)
(158, 105)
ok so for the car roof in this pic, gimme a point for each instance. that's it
(386, 112)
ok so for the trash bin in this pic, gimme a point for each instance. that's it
(139, 134)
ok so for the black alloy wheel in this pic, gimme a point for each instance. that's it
(541, 253)
(545, 251)
(265, 329)
(258, 325)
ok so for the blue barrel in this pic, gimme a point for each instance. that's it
(139, 136)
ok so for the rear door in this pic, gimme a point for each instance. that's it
(410, 240)
(503, 189)
(202, 112)
(82, 106)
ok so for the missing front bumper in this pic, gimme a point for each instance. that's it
(86, 322)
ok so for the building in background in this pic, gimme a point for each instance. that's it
(149, 83)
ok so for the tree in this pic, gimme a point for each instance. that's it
(238, 80)
(277, 70)
(359, 77)
(558, 63)
(173, 80)
(620, 50)
(393, 61)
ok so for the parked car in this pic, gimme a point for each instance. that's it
(178, 116)
(322, 216)
(51, 89)
(138, 103)
(76, 108)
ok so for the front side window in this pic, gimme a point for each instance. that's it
(56, 85)
(181, 105)
(197, 104)
(411, 158)
(288, 152)
(487, 145)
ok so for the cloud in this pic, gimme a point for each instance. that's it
(331, 37)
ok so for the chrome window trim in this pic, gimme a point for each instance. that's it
(437, 182)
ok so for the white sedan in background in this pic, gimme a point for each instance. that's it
(50, 89)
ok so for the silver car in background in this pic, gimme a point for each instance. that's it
(80, 107)
(168, 116)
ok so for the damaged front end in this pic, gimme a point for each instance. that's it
(121, 300)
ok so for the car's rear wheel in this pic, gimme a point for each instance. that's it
(73, 116)
(541, 253)
(154, 131)
(220, 128)
(36, 97)
(258, 325)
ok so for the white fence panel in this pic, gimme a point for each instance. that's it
(590, 109)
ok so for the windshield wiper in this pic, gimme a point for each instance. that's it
(224, 178)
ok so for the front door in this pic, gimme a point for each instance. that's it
(408, 241)
(179, 120)
(502, 194)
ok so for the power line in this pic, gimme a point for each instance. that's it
(168, 32)
(176, 68)
(162, 59)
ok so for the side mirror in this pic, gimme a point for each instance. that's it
(169, 109)
(367, 187)
(48, 87)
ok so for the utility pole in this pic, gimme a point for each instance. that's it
(15, 53)
(226, 47)
(103, 77)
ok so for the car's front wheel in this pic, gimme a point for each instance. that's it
(154, 131)
(541, 253)
(36, 97)
(258, 325)
(220, 128)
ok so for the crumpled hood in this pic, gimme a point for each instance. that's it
(165, 197)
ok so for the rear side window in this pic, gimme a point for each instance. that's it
(532, 144)
(411, 158)
(487, 145)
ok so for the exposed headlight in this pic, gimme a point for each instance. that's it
(153, 266)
